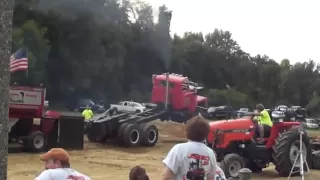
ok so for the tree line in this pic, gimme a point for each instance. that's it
(109, 49)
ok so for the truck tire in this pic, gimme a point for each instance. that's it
(149, 135)
(96, 132)
(131, 135)
(286, 149)
(121, 133)
(231, 165)
(36, 141)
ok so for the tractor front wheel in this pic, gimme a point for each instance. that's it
(36, 141)
(286, 151)
(231, 165)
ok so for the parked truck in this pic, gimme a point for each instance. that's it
(128, 106)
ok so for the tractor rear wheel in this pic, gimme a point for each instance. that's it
(286, 149)
(232, 164)
(149, 135)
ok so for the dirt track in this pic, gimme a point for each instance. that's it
(103, 162)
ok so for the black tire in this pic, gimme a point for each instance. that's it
(36, 141)
(149, 135)
(228, 163)
(121, 133)
(131, 135)
(96, 132)
(282, 149)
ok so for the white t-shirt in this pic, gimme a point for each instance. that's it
(62, 174)
(219, 174)
(191, 156)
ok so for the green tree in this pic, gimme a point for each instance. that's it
(109, 49)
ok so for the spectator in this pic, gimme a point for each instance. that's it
(138, 173)
(57, 165)
(192, 160)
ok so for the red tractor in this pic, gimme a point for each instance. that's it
(26, 122)
(178, 96)
(234, 144)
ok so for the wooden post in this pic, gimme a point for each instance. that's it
(6, 13)
(245, 174)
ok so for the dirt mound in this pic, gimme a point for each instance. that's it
(171, 132)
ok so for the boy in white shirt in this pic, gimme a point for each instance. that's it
(219, 174)
(192, 160)
(57, 165)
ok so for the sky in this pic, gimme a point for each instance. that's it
(281, 29)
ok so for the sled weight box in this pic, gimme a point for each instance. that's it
(71, 130)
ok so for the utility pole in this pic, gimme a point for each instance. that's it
(6, 14)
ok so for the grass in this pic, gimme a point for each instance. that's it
(313, 132)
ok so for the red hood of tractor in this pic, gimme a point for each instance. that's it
(244, 123)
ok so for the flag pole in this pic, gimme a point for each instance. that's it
(27, 72)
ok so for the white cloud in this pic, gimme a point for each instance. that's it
(278, 28)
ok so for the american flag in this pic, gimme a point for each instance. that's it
(19, 60)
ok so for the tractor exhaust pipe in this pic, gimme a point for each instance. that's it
(167, 91)
(228, 101)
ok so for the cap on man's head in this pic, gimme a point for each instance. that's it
(57, 154)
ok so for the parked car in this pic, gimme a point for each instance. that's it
(278, 116)
(128, 106)
(295, 107)
(242, 111)
(311, 123)
(222, 112)
(282, 108)
(83, 103)
(149, 105)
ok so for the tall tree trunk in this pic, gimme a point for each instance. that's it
(6, 12)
